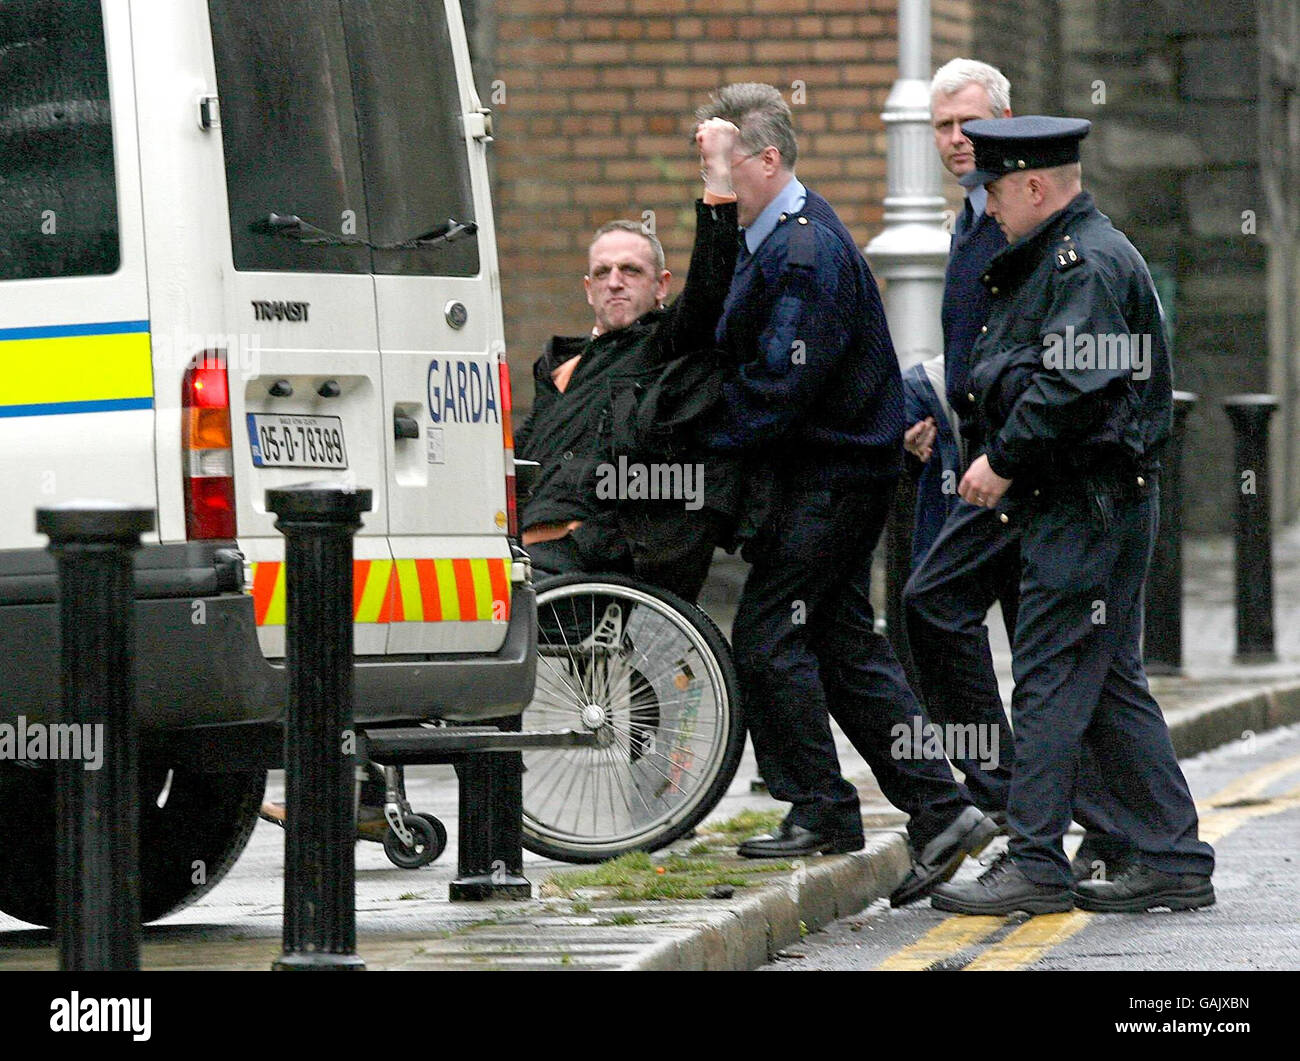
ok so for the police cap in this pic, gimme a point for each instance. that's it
(1009, 145)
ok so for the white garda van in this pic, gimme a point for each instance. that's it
(246, 244)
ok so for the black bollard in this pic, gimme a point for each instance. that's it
(1162, 634)
(320, 919)
(97, 853)
(490, 856)
(1249, 414)
(898, 568)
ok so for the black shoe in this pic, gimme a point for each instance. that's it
(1102, 857)
(1001, 889)
(1143, 888)
(968, 835)
(791, 841)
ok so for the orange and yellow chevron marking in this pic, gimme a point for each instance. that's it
(372, 590)
(406, 590)
(268, 594)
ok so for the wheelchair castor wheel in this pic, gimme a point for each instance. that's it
(430, 841)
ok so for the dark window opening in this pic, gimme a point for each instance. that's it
(347, 114)
(289, 128)
(412, 143)
(58, 191)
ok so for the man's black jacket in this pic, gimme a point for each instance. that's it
(571, 434)
(1072, 373)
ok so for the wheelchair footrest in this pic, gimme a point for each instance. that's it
(417, 744)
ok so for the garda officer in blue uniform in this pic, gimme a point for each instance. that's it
(1072, 389)
(988, 562)
(812, 402)
(978, 562)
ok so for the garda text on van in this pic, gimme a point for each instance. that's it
(462, 392)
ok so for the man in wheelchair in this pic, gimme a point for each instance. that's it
(618, 490)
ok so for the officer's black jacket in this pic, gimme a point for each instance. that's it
(570, 434)
(1071, 375)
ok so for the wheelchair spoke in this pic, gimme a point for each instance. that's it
(658, 691)
(553, 762)
(563, 680)
(617, 782)
(572, 657)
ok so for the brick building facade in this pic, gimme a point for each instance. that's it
(592, 102)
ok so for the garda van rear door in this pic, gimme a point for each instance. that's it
(76, 387)
(439, 326)
(307, 401)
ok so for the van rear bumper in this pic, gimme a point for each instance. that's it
(198, 662)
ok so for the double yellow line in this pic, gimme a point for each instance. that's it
(1227, 810)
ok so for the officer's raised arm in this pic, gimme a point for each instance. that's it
(693, 316)
(716, 138)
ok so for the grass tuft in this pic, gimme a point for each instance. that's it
(638, 878)
(746, 823)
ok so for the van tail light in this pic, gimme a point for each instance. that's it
(206, 449)
(508, 438)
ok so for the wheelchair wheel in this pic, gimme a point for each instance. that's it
(652, 677)
(430, 837)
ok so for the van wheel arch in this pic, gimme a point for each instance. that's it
(207, 818)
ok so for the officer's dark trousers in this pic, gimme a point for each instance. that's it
(974, 561)
(806, 648)
(1080, 683)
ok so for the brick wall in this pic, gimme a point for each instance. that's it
(593, 102)
(593, 118)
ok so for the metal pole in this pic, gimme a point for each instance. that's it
(1162, 637)
(490, 854)
(318, 521)
(97, 853)
(1249, 414)
(912, 251)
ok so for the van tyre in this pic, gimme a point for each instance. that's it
(186, 846)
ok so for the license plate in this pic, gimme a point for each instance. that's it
(281, 441)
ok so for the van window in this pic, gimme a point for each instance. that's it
(346, 113)
(413, 149)
(288, 126)
(58, 192)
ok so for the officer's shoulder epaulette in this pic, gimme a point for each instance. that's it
(1067, 254)
(801, 245)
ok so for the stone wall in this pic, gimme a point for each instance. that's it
(1173, 159)
(1022, 39)
(1280, 137)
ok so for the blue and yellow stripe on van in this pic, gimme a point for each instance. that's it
(75, 368)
